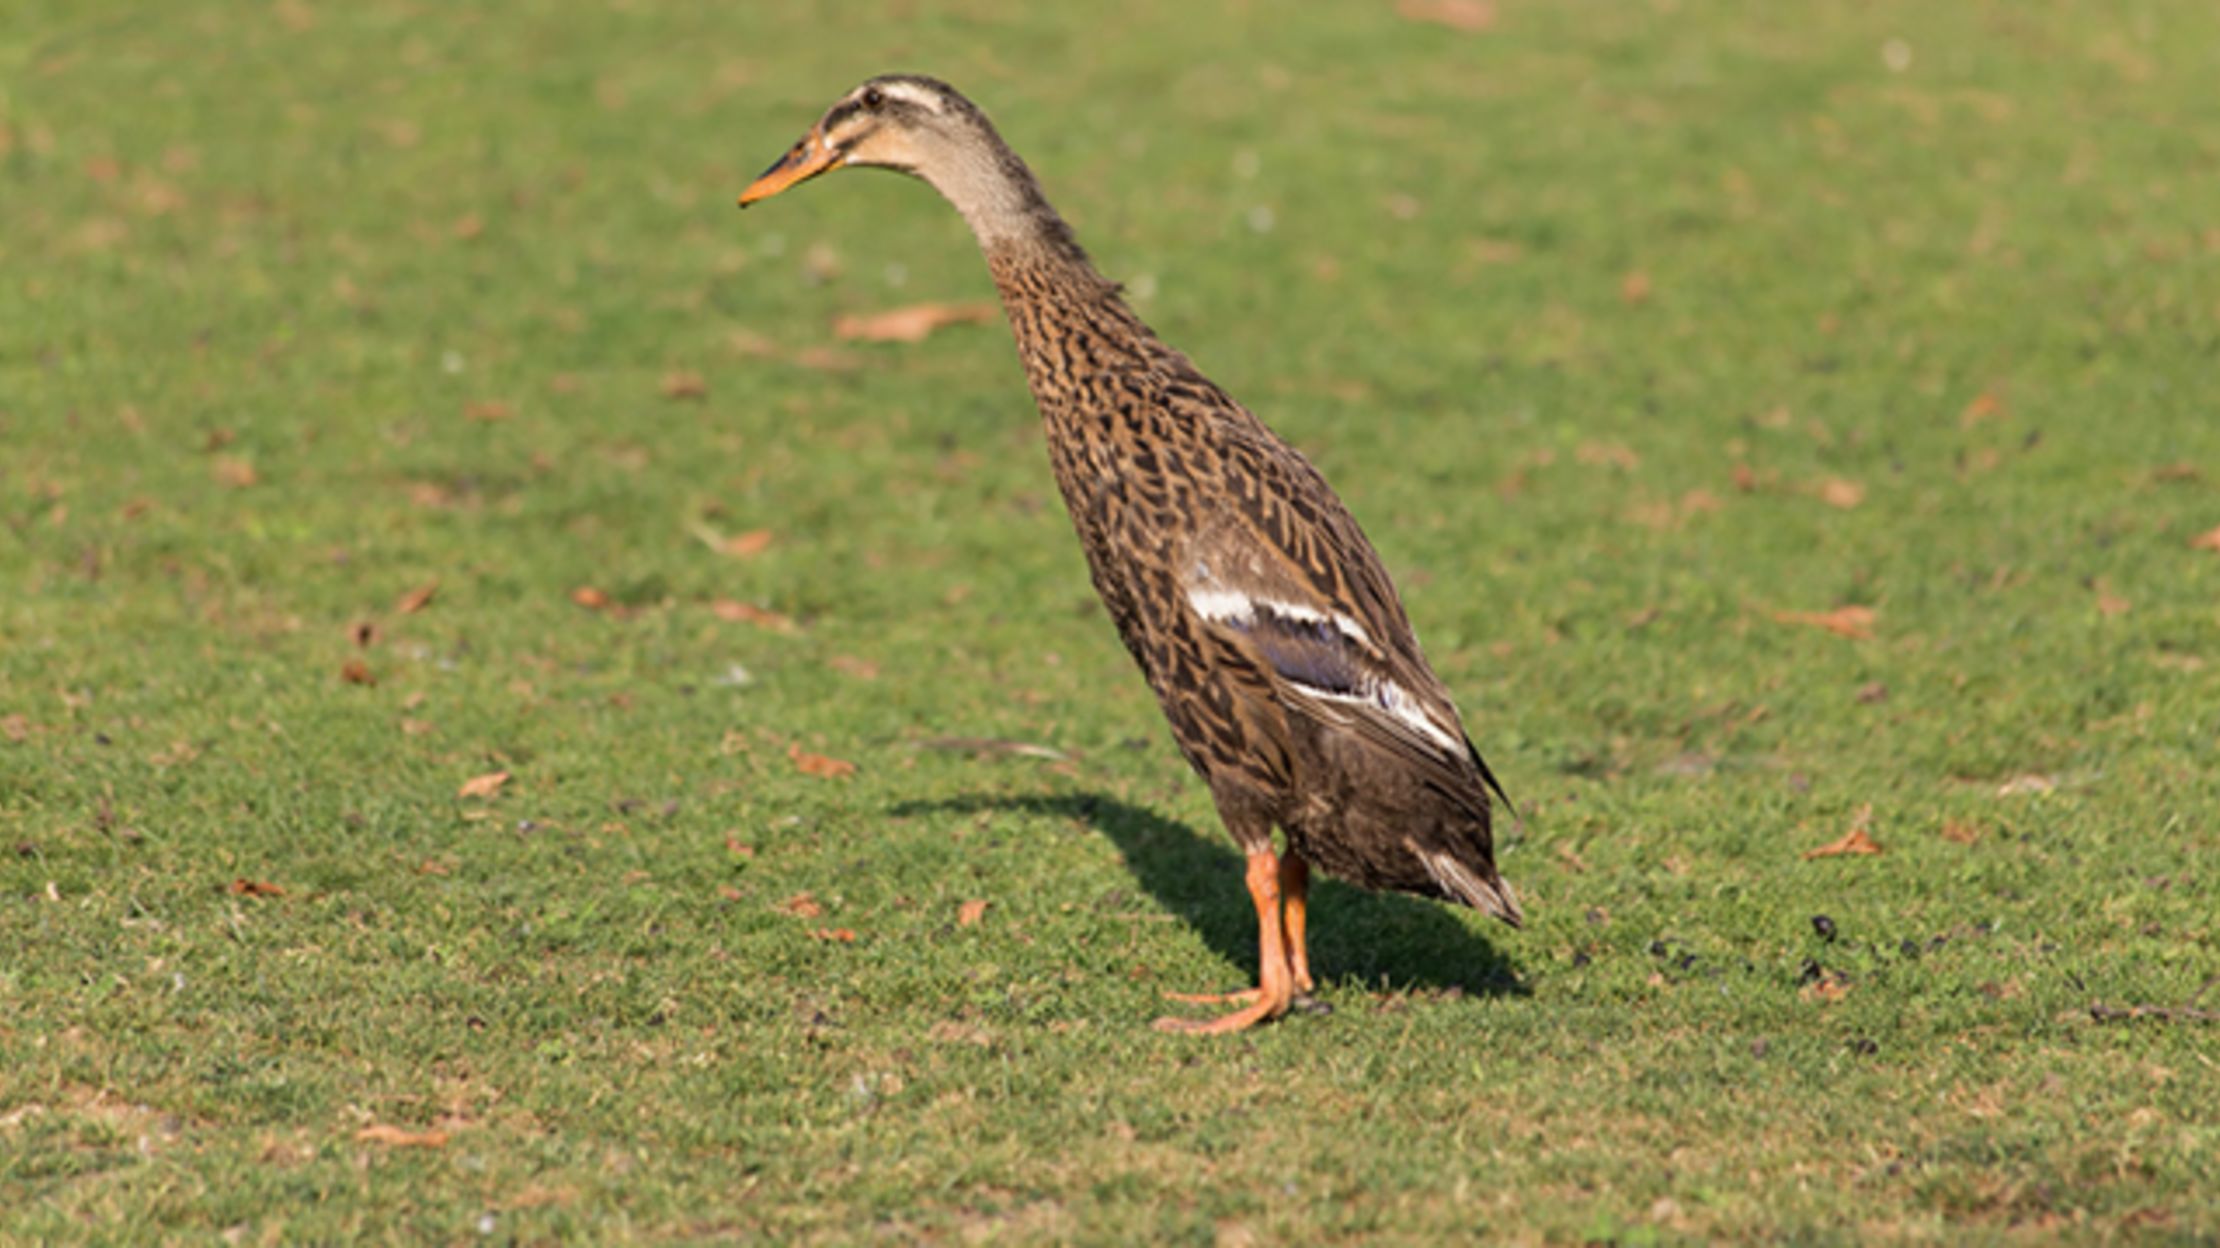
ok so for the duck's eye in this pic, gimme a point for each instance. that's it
(873, 97)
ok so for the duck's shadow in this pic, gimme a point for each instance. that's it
(1380, 939)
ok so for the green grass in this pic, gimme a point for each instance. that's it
(302, 240)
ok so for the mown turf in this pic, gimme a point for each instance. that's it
(1631, 332)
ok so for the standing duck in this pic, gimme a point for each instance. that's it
(1244, 589)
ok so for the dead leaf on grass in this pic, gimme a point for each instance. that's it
(1470, 16)
(245, 887)
(1841, 492)
(802, 906)
(2208, 540)
(680, 384)
(357, 672)
(1634, 289)
(487, 411)
(15, 727)
(2031, 782)
(1824, 991)
(234, 473)
(841, 935)
(971, 912)
(590, 598)
(416, 599)
(483, 786)
(820, 765)
(1985, 406)
(1961, 831)
(746, 545)
(2109, 604)
(911, 324)
(737, 612)
(850, 665)
(1856, 841)
(402, 1137)
(1855, 623)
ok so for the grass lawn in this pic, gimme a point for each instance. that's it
(1783, 421)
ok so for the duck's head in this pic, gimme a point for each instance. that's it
(905, 122)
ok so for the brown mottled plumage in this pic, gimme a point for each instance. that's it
(1244, 589)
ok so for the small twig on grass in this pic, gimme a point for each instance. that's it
(2166, 1014)
(2183, 1013)
(993, 745)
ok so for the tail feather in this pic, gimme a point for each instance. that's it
(1475, 884)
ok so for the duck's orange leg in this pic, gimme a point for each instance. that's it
(1277, 987)
(1295, 906)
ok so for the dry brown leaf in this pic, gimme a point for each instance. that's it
(483, 786)
(245, 887)
(487, 411)
(468, 226)
(910, 324)
(1634, 289)
(2208, 540)
(357, 672)
(949, 1031)
(728, 892)
(802, 906)
(739, 848)
(15, 727)
(1985, 406)
(1841, 492)
(1699, 500)
(590, 598)
(416, 599)
(1856, 623)
(850, 665)
(1855, 841)
(1961, 831)
(736, 612)
(234, 472)
(402, 1137)
(746, 545)
(1471, 16)
(819, 765)
(970, 912)
(433, 866)
(680, 384)
(2028, 783)
(1745, 478)
(1825, 991)
(844, 935)
(2108, 603)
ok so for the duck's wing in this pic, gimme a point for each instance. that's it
(1279, 569)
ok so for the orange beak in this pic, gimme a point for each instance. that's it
(804, 161)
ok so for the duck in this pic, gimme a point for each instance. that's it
(1257, 610)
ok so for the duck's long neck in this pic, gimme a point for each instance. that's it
(1068, 318)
